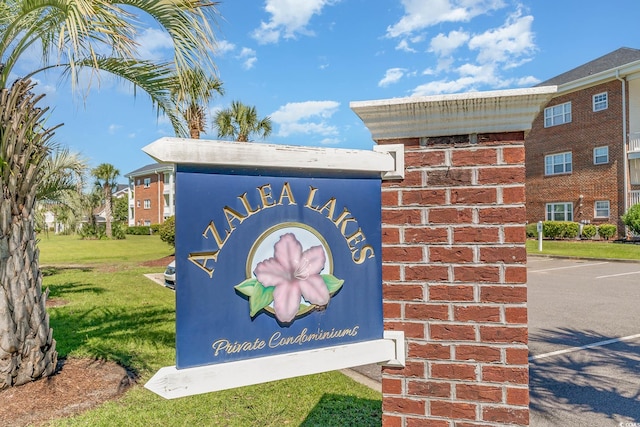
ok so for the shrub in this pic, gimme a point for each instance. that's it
(139, 230)
(155, 228)
(607, 231)
(560, 229)
(118, 231)
(632, 218)
(168, 231)
(532, 230)
(589, 231)
(90, 231)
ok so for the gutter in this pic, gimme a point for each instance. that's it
(624, 141)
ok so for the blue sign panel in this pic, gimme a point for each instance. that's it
(274, 264)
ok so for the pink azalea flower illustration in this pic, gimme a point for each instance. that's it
(293, 273)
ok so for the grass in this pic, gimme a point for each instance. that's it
(585, 249)
(113, 312)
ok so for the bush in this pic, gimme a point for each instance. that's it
(155, 228)
(532, 230)
(560, 229)
(90, 231)
(118, 231)
(139, 230)
(632, 218)
(607, 231)
(589, 231)
(168, 231)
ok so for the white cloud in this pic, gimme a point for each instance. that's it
(421, 14)
(507, 44)
(445, 44)
(308, 117)
(152, 42)
(404, 46)
(393, 75)
(113, 128)
(223, 47)
(330, 141)
(248, 56)
(288, 18)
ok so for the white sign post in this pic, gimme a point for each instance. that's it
(539, 236)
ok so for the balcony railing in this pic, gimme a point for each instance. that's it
(169, 188)
(634, 198)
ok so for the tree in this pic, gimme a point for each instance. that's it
(106, 176)
(27, 347)
(71, 34)
(194, 96)
(240, 121)
(121, 209)
(632, 219)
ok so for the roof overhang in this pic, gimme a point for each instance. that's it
(599, 78)
(456, 114)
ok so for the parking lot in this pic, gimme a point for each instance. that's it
(584, 333)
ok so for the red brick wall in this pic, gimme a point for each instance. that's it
(586, 131)
(153, 193)
(454, 280)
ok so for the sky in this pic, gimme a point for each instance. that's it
(301, 62)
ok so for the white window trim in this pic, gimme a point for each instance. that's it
(595, 209)
(565, 171)
(594, 155)
(565, 115)
(546, 211)
(147, 182)
(605, 101)
(147, 203)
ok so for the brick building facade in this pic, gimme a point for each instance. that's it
(151, 194)
(580, 153)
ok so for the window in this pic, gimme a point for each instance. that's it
(602, 209)
(600, 155)
(557, 115)
(557, 163)
(559, 212)
(147, 222)
(600, 102)
(147, 204)
(147, 182)
(137, 203)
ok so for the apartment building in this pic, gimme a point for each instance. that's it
(583, 153)
(151, 194)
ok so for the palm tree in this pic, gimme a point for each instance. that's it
(241, 121)
(61, 185)
(194, 96)
(106, 175)
(72, 34)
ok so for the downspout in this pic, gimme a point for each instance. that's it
(624, 143)
(160, 205)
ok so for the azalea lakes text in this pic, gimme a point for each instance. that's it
(269, 198)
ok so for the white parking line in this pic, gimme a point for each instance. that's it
(584, 347)
(564, 268)
(616, 275)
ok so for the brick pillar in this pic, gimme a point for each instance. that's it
(454, 280)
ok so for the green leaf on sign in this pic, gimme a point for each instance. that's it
(246, 287)
(260, 298)
(332, 282)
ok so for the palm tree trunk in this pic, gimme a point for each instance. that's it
(107, 211)
(27, 347)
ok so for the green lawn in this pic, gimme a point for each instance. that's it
(585, 249)
(113, 312)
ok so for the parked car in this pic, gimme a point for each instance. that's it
(170, 275)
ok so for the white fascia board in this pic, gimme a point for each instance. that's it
(599, 78)
(270, 156)
(170, 382)
(454, 114)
